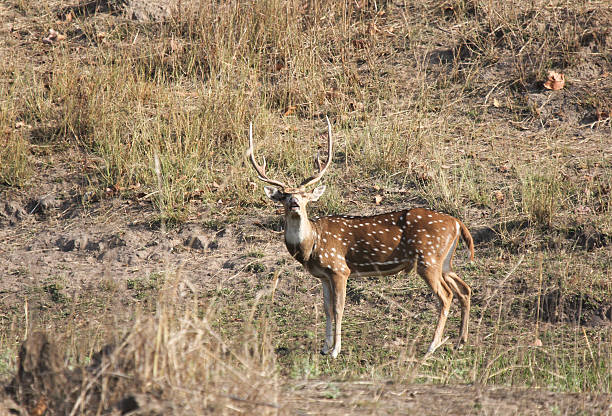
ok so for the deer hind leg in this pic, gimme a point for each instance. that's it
(433, 277)
(338, 284)
(329, 312)
(463, 292)
(461, 289)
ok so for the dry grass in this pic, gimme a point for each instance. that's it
(173, 361)
(436, 104)
(186, 90)
(181, 361)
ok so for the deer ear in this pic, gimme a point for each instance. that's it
(316, 194)
(273, 193)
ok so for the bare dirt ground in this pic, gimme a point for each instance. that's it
(379, 398)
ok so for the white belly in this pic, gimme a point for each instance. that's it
(382, 271)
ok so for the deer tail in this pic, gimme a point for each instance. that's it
(467, 237)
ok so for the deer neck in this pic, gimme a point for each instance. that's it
(300, 235)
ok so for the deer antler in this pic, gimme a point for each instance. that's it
(316, 178)
(261, 170)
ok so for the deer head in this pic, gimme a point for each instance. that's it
(294, 200)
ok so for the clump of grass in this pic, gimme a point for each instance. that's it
(182, 360)
(15, 167)
(541, 195)
(379, 149)
(175, 359)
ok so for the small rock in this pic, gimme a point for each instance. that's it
(66, 244)
(13, 209)
(115, 241)
(196, 241)
(147, 11)
(42, 205)
(91, 246)
(76, 242)
(13, 212)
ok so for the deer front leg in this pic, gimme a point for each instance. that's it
(339, 295)
(329, 309)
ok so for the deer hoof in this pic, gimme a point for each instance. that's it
(325, 350)
(435, 346)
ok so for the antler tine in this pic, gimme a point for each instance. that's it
(261, 170)
(316, 178)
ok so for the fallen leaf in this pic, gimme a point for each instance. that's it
(67, 19)
(499, 196)
(21, 125)
(496, 103)
(53, 36)
(602, 114)
(583, 210)
(41, 407)
(424, 176)
(289, 111)
(378, 199)
(555, 81)
(359, 43)
(537, 343)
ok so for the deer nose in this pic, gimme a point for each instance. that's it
(294, 204)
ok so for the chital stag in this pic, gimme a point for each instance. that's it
(335, 247)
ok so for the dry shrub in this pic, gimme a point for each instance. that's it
(172, 363)
(541, 195)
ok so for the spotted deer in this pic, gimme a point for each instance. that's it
(335, 247)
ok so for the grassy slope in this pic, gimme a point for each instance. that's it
(435, 105)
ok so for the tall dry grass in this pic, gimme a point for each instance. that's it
(177, 362)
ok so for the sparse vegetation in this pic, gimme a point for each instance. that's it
(436, 104)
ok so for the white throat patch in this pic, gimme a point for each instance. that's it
(296, 229)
